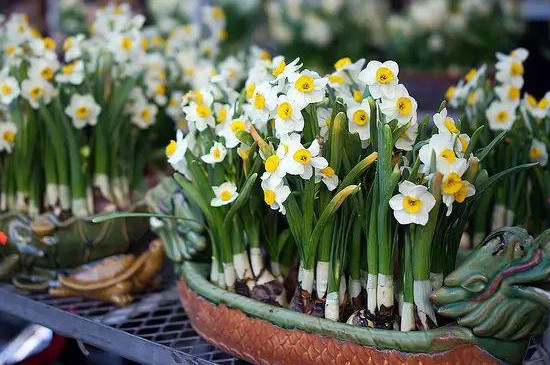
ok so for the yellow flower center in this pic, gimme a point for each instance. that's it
(218, 13)
(284, 111)
(216, 153)
(452, 183)
(225, 195)
(171, 148)
(222, 34)
(272, 163)
(237, 125)
(502, 116)
(305, 84)
(328, 171)
(342, 62)
(463, 144)
(6, 89)
(269, 196)
(264, 55)
(384, 75)
(173, 102)
(404, 105)
(535, 153)
(450, 92)
(36, 92)
(126, 43)
(250, 91)
(279, 69)
(513, 93)
(531, 100)
(471, 74)
(357, 96)
(448, 155)
(10, 50)
(460, 195)
(47, 73)
(203, 111)
(144, 43)
(145, 114)
(160, 89)
(302, 156)
(543, 103)
(451, 126)
(68, 69)
(259, 101)
(49, 44)
(82, 112)
(9, 136)
(516, 68)
(336, 79)
(472, 98)
(68, 43)
(412, 204)
(360, 117)
(222, 115)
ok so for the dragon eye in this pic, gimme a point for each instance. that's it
(475, 284)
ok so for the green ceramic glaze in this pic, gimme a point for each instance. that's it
(500, 290)
(432, 341)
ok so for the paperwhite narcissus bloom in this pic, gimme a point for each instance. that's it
(37, 89)
(508, 93)
(444, 123)
(466, 190)
(288, 116)
(43, 68)
(442, 145)
(83, 110)
(407, 140)
(175, 152)
(381, 78)
(125, 46)
(224, 112)
(200, 112)
(323, 120)
(72, 73)
(473, 76)
(229, 129)
(281, 70)
(306, 87)
(538, 152)
(8, 131)
(359, 120)
(173, 108)
(301, 161)
(461, 144)
(413, 204)
(401, 106)
(538, 109)
(274, 169)
(328, 176)
(232, 71)
(501, 116)
(225, 194)
(510, 67)
(262, 103)
(73, 47)
(43, 47)
(275, 195)
(144, 115)
(9, 89)
(216, 154)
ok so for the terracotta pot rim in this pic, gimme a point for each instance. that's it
(433, 341)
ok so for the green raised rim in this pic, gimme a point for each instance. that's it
(431, 341)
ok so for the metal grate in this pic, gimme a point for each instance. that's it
(154, 329)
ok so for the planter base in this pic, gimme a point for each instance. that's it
(261, 342)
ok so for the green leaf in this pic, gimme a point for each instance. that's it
(194, 195)
(109, 216)
(485, 184)
(241, 199)
(473, 140)
(399, 132)
(358, 170)
(485, 151)
(337, 141)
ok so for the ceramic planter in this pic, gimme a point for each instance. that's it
(263, 333)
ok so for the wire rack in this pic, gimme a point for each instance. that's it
(153, 330)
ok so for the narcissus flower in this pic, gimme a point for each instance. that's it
(510, 67)
(225, 194)
(400, 106)
(176, 150)
(381, 78)
(306, 87)
(8, 132)
(144, 115)
(465, 190)
(72, 73)
(73, 47)
(359, 120)
(264, 100)
(444, 123)
(538, 109)
(35, 90)
(83, 110)
(538, 152)
(301, 161)
(328, 177)
(442, 147)
(228, 130)
(43, 68)
(281, 70)
(501, 115)
(413, 204)
(9, 89)
(275, 195)
(216, 154)
(288, 116)
(200, 112)
(508, 93)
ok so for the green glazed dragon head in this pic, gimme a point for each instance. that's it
(501, 290)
